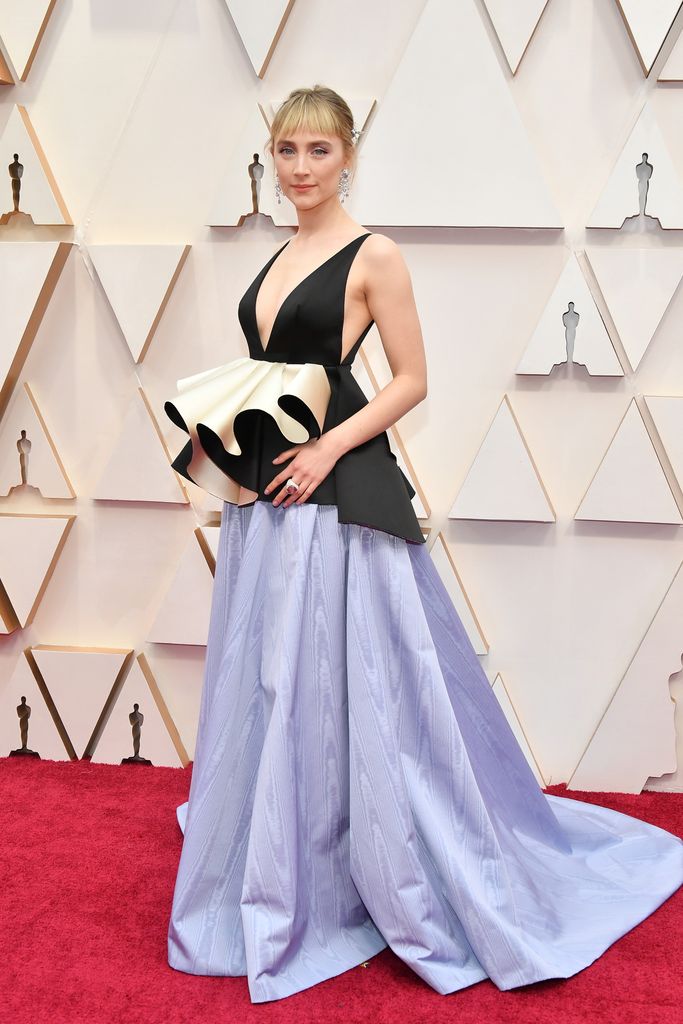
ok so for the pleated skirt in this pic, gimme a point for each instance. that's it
(356, 784)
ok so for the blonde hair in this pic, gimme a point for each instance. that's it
(316, 110)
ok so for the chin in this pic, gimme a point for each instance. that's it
(305, 198)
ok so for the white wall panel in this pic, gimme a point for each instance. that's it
(466, 163)
(514, 25)
(630, 485)
(499, 141)
(643, 183)
(638, 286)
(648, 22)
(22, 30)
(571, 330)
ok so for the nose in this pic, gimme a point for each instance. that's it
(301, 166)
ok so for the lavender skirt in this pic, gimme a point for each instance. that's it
(356, 784)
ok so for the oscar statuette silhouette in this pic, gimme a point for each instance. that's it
(136, 718)
(24, 713)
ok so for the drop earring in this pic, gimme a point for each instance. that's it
(278, 189)
(343, 188)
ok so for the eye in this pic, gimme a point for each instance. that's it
(318, 149)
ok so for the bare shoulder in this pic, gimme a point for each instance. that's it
(378, 248)
(383, 264)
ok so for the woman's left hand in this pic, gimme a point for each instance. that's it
(313, 461)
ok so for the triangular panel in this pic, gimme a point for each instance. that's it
(481, 171)
(29, 272)
(178, 683)
(636, 736)
(643, 181)
(138, 281)
(629, 485)
(260, 27)
(667, 414)
(159, 741)
(42, 733)
(503, 482)
(514, 25)
(673, 69)
(183, 617)
(30, 546)
(139, 467)
(28, 455)
(22, 26)
(248, 184)
(40, 200)
(637, 285)
(648, 23)
(211, 535)
(80, 682)
(571, 330)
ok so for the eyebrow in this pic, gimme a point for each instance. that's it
(315, 142)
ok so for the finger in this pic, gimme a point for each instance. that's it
(284, 455)
(282, 495)
(307, 493)
(291, 498)
(276, 481)
(279, 496)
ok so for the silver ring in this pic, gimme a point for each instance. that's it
(292, 486)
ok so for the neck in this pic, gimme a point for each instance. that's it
(327, 218)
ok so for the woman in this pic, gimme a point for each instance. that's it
(356, 783)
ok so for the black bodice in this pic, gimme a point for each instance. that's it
(309, 324)
(366, 483)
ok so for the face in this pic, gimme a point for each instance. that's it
(310, 159)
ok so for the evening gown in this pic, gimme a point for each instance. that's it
(356, 784)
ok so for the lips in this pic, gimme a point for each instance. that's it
(302, 188)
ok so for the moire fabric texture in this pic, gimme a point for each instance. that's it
(356, 784)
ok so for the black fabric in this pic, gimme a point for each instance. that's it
(366, 484)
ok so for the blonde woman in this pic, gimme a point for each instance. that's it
(356, 785)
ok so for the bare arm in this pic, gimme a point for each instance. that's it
(390, 299)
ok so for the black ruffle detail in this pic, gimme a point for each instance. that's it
(366, 484)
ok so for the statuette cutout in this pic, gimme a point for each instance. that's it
(24, 713)
(136, 718)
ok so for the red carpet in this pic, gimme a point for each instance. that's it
(89, 860)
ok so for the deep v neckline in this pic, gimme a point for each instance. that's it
(295, 288)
